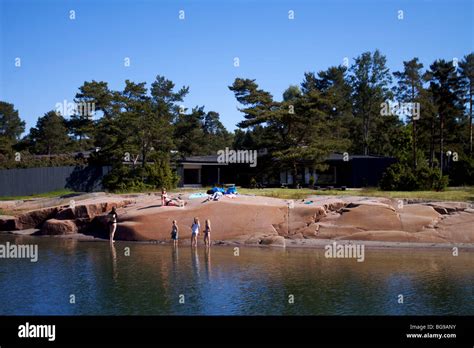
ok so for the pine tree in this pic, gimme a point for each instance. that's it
(11, 127)
(410, 90)
(188, 132)
(50, 135)
(335, 88)
(445, 86)
(370, 81)
(299, 129)
(467, 76)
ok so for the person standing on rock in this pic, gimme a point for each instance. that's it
(174, 233)
(207, 233)
(195, 231)
(112, 223)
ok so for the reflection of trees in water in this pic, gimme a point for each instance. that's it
(432, 283)
(444, 286)
(36, 288)
(67, 245)
(139, 283)
(330, 286)
(150, 280)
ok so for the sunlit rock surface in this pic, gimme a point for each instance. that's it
(249, 219)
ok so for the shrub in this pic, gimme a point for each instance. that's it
(160, 175)
(400, 177)
(312, 181)
(152, 176)
(438, 182)
(253, 183)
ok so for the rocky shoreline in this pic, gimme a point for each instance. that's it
(249, 220)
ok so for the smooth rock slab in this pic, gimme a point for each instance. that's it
(35, 218)
(415, 217)
(58, 227)
(371, 217)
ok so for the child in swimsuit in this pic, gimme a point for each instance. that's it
(174, 233)
(195, 231)
(207, 233)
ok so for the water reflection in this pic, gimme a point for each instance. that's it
(195, 261)
(255, 283)
(175, 257)
(113, 253)
(207, 262)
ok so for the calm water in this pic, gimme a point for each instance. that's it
(258, 282)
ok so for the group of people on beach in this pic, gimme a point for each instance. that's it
(166, 201)
(195, 227)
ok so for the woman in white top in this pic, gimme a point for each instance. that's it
(195, 231)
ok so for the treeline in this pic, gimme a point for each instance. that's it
(139, 131)
(420, 115)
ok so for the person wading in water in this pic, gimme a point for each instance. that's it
(112, 223)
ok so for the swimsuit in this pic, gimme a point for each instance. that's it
(195, 228)
(174, 233)
(114, 219)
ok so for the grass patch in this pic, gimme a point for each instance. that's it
(450, 194)
(461, 194)
(57, 193)
(283, 193)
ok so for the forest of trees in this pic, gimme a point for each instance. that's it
(341, 109)
(147, 127)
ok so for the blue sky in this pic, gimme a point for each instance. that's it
(58, 54)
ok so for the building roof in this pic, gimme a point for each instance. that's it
(340, 157)
(331, 157)
(200, 159)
